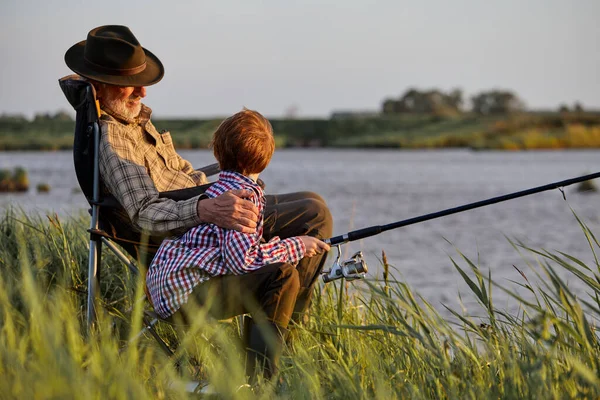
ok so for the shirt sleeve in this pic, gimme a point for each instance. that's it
(126, 178)
(244, 252)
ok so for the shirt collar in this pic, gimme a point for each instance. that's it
(236, 177)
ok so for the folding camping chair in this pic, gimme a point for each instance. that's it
(109, 221)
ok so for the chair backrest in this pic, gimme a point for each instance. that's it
(113, 219)
(82, 97)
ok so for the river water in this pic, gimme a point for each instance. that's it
(376, 187)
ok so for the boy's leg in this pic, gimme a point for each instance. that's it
(296, 214)
(269, 292)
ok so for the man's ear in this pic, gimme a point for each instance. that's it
(99, 87)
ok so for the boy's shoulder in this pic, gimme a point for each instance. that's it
(233, 181)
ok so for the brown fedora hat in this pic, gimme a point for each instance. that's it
(111, 54)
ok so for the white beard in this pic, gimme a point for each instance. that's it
(123, 108)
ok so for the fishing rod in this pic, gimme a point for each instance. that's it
(356, 268)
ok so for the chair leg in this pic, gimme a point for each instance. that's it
(149, 322)
(93, 266)
(149, 319)
(99, 266)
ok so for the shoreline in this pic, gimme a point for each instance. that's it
(520, 131)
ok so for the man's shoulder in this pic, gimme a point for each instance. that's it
(119, 139)
(109, 124)
(115, 131)
(107, 119)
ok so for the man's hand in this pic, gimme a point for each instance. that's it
(230, 211)
(313, 246)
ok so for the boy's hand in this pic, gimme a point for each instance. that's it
(313, 246)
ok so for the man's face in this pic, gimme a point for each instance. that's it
(125, 100)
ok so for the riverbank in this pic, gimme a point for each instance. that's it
(524, 131)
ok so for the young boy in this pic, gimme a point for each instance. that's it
(243, 145)
(232, 272)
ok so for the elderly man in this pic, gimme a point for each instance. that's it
(137, 162)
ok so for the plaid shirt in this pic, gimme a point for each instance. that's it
(137, 162)
(206, 251)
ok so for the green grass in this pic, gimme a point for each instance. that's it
(384, 342)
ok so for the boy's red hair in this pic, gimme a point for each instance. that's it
(244, 143)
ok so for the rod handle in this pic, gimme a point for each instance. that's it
(354, 235)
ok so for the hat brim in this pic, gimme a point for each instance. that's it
(152, 74)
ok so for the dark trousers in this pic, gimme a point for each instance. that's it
(278, 291)
(296, 214)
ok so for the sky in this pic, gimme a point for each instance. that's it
(312, 57)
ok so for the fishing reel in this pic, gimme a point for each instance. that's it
(353, 268)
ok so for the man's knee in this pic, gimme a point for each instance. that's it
(280, 297)
(296, 214)
(319, 216)
(312, 195)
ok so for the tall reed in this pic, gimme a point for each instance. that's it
(384, 342)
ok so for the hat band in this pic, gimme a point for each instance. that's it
(115, 71)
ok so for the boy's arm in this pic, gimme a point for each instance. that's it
(243, 252)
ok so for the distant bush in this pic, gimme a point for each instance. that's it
(59, 116)
(587, 186)
(43, 188)
(15, 181)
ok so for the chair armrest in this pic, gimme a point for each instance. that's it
(110, 202)
(211, 169)
(184, 194)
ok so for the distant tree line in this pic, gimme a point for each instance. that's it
(425, 102)
(39, 117)
(436, 102)
(577, 107)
